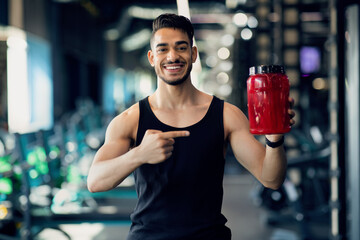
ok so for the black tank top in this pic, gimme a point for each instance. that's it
(181, 198)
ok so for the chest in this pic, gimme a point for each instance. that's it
(194, 159)
(181, 118)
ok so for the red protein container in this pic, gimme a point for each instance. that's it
(268, 100)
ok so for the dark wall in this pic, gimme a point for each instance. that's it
(4, 16)
(78, 52)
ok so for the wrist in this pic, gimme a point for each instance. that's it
(137, 157)
(274, 144)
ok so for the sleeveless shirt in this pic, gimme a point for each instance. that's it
(181, 198)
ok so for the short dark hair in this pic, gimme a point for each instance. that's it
(171, 20)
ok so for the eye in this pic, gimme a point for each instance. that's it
(161, 50)
(182, 48)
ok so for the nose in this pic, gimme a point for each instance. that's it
(172, 55)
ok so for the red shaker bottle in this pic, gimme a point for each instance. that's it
(268, 93)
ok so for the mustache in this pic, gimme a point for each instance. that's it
(174, 62)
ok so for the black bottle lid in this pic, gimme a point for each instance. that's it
(266, 69)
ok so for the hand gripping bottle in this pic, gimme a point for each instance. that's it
(268, 100)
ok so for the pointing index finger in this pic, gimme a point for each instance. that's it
(175, 134)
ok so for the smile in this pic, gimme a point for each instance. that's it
(172, 67)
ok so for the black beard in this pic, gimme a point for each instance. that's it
(181, 80)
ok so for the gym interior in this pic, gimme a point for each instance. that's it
(67, 67)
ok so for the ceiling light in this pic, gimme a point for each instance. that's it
(227, 40)
(252, 22)
(222, 77)
(240, 19)
(246, 34)
(223, 53)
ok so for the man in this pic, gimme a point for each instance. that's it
(174, 142)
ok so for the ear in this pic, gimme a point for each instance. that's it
(194, 53)
(150, 56)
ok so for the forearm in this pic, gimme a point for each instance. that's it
(274, 167)
(106, 174)
(274, 164)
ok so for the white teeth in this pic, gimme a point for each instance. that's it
(173, 67)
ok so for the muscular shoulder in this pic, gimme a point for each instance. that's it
(124, 125)
(234, 119)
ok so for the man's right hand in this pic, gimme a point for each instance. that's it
(157, 146)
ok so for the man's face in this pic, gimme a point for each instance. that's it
(171, 55)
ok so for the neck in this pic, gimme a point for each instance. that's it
(174, 96)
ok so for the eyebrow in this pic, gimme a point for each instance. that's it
(176, 43)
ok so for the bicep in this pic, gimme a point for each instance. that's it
(112, 149)
(119, 136)
(248, 151)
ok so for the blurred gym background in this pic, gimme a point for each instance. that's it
(68, 66)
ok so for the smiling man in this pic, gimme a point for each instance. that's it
(174, 142)
(175, 62)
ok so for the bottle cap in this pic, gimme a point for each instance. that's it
(267, 69)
